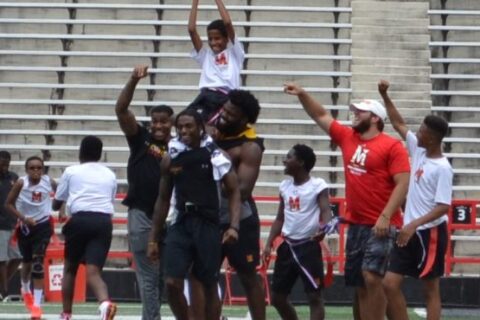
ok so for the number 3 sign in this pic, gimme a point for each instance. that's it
(462, 214)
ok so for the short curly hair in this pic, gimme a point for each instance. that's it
(305, 154)
(195, 115)
(247, 103)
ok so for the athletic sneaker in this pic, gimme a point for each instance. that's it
(36, 312)
(27, 299)
(107, 310)
(65, 316)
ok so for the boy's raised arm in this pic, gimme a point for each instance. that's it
(395, 118)
(192, 27)
(226, 20)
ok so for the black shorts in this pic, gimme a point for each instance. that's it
(244, 255)
(88, 236)
(424, 253)
(208, 103)
(33, 241)
(307, 263)
(366, 252)
(193, 244)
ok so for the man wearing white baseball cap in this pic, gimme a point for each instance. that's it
(373, 106)
(376, 170)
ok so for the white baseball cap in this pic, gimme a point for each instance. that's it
(373, 106)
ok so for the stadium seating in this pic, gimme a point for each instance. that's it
(62, 65)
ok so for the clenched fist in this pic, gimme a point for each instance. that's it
(139, 72)
(383, 86)
(292, 88)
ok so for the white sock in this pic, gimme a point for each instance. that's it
(26, 286)
(37, 297)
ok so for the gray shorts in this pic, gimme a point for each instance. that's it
(8, 250)
(366, 252)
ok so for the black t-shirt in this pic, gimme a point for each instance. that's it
(7, 220)
(143, 171)
(192, 174)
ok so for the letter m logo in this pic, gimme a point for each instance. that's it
(294, 203)
(360, 156)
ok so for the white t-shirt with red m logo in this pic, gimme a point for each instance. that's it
(302, 213)
(220, 70)
(34, 199)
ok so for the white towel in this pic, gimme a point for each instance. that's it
(221, 164)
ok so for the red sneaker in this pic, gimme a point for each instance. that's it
(36, 312)
(27, 300)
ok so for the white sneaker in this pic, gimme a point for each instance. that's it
(107, 310)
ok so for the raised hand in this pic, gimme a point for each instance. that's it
(383, 86)
(292, 88)
(140, 72)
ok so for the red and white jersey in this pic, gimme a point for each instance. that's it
(302, 213)
(34, 199)
(370, 167)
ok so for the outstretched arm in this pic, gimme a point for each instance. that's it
(395, 118)
(226, 19)
(192, 27)
(314, 109)
(125, 117)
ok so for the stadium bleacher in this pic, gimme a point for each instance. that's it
(62, 65)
